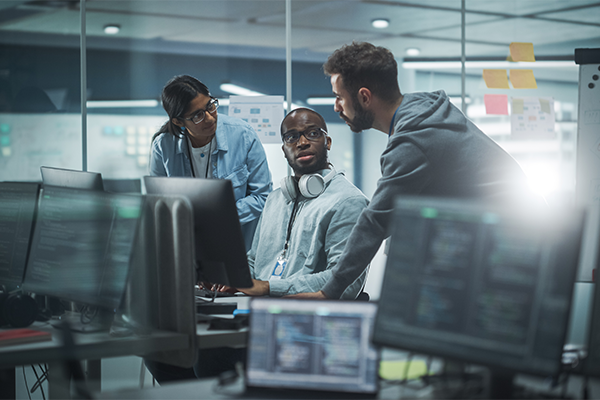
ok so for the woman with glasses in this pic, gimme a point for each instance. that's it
(197, 142)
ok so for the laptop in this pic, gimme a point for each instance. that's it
(311, 349)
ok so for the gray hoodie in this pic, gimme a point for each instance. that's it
(434, 151)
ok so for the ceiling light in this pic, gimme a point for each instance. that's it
(413, 51)
(380, 23)
(112, 29)
(321, 101)
(121, 103)
(487, 64)
(238, 90)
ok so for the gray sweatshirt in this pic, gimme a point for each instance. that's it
(434, 151)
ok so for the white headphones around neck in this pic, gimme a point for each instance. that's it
(310, 185)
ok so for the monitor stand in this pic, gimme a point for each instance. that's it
(501, 384)
(73, 321)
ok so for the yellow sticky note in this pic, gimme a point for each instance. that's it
(517, 106)
(522, 79)
(545, 105)
(396, 370)
(495, 78)
(522, 52)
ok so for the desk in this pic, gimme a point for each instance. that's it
(223, 338)
(88, 346)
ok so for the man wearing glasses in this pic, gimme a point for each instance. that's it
(305, 223)
(197, 142)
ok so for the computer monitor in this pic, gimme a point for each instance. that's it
(18, 206)
(316, 345)
(71, 178)
(82, 245)
(123, 185)
(480, 284)
(220, 249)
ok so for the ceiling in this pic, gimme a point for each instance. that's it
(256, 28)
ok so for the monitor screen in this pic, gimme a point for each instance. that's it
(71, 178)
(220, 248)
(82, 245)
(18, 205)
(478, 284)
(312, 344)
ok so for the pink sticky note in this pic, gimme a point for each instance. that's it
(496, 104)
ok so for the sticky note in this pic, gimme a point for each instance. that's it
(396, 370)
(522, 79)
(496, 104)
(522, 52)
(495, 78)
(517, 106)
(545, 105)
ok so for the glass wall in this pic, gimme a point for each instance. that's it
(244, 43)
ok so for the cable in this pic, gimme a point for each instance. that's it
(41, 380)
(38, 380)
(26, 385)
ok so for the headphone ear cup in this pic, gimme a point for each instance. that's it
(311, 185)
(20, 310)
(288, 188)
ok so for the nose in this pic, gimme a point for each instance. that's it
(336, 106)
(302, 141)
(208, 117)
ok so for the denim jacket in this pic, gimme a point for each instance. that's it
(239, 157)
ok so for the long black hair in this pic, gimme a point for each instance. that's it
(176, 97)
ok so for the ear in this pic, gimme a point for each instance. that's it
(365, 97)
(177, 122)
(328, 143)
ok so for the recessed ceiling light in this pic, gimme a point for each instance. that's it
(112, 29)
(413, 51)
(380, 23)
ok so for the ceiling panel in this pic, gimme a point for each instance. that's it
(358, 16)
(524, 7)
(590, 15)
(521, 30)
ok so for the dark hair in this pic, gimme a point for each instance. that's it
(303, 109)
(176, 97)
(362, 64)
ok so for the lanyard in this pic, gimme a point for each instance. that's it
(392, 123)
(191, 161)
(290, 224)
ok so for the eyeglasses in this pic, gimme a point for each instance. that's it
(312, 134)
(211, 107)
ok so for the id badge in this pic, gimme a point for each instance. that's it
(279, 268)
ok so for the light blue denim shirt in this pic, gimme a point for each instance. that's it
(239, 156)
(317, 239)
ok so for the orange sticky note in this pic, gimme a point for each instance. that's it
(522, 52)
(496, 104)
(495, 78)
(522, 79)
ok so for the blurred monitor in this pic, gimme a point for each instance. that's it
(18, 206)
(220, 249)
(82, 245)
(480, 284)
(123, 185)
(311, 345)
(71, 178)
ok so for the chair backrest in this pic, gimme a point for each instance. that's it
(160, 291)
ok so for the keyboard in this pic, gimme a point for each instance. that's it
(210, 294)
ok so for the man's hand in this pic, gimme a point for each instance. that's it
(259, 288)
(313, 296)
